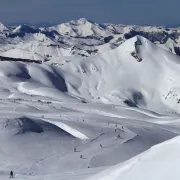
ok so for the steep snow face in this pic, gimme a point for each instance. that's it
(79, 38)
(161, 162)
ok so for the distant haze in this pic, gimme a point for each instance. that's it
(141, 12)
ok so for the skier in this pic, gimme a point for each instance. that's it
(74, 149)
(118, 136)
(101, 145)
(11, 174)
(81, 156)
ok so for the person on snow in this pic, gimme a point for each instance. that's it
(118, 136)
(11, 174)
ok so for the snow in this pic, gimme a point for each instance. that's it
(161, 162)
(91, 79)
(70, 130)
(3, 27)
(81, 27)
(72, 117)
(78, 38)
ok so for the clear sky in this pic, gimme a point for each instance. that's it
(142, 12)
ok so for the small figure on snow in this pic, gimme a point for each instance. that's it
(101, 145)
(118, 136)
(115, 130)
(74, 149)
(11, 174)
(81, 156)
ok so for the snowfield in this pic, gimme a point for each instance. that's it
(94, 118)
(160, 162)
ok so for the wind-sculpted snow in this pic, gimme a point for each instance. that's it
(69, 129)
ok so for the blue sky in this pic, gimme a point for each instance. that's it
(155, 12)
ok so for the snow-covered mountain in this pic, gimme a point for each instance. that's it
(80, 37)
(68, 117)
(137, 73)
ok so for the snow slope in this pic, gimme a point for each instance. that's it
(50, 152)
(161, 162)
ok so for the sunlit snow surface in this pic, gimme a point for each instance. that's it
(160, 162)
(77, 120)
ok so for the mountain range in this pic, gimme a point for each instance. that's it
(78, 38)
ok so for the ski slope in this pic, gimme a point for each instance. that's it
(74, 120)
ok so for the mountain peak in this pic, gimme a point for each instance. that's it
(3, 27)
(23, 28)
(80, 21)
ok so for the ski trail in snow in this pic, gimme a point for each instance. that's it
(165, 57)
